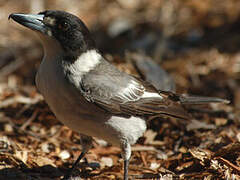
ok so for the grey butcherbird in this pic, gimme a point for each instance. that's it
(90, 95)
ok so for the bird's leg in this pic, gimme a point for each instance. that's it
(126, 164)
(86, 142)
(126, 154)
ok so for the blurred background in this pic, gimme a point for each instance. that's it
(189, 46)
(179, 35)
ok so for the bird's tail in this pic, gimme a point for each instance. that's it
(175, 107)
(187, 99)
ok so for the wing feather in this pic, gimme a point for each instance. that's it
(120, 93)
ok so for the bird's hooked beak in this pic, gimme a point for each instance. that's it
(32, 21)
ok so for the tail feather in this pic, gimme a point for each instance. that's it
(173, 102)
(187, 99)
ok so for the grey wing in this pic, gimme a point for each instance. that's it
(120, 93)
(108, 86)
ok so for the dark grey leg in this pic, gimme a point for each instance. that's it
(126, 154)
(126, 164)
(86, 142)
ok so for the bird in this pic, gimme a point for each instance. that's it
(89, 94)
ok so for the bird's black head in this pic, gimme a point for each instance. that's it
(67, 29)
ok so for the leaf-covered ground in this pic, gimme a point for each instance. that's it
(196, 42)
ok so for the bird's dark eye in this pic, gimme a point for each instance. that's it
(64, 26)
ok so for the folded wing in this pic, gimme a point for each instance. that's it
(122, 94)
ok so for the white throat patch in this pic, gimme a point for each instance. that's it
(86, 62)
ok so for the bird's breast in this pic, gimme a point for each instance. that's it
(65, 100)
